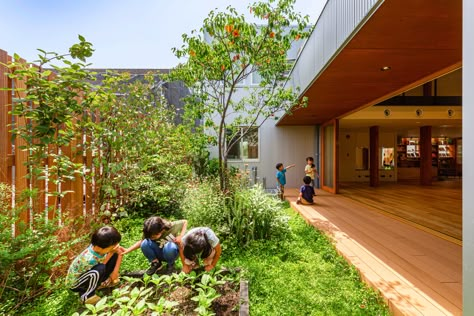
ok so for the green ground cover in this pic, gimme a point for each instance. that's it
(301, 275)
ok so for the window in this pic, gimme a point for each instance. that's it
(247, 146)
(256, 78)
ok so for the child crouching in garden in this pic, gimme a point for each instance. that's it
(199, 242)
(97, 266)
(160, 242)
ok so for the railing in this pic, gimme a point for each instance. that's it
(14, 172)
(339, 21)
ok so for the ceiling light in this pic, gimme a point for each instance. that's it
(385, 68)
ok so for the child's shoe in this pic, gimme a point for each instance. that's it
(170, 268)
(154, 267)
(298, 201)
(92, 300)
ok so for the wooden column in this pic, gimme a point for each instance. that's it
(374, 156)
(336, 156)
(425, 155)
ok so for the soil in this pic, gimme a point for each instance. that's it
(227, 304)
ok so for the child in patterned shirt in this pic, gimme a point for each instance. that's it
(97, 266)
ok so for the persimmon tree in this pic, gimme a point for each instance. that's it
(226, 51)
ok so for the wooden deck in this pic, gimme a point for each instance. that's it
(416, 271)
(436, 208)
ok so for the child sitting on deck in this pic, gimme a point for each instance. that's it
(306, 192)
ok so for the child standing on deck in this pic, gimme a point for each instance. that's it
(281, 178)
(310, 170)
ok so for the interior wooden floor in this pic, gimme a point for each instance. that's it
(436, 208)
(416, 271)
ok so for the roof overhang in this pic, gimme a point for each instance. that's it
(418, 39)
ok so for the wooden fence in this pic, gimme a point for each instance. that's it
(14, 170)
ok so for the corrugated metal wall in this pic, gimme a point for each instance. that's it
(339, 20)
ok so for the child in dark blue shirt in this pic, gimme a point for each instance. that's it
(306, 192)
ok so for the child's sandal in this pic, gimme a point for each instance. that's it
(108, 283)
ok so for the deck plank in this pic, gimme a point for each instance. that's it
(416, 271)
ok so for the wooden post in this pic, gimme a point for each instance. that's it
(425, 155)
(374, 156)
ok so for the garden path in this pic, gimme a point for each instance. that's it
(416, 271)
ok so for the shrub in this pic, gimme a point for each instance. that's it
(29, 261)
(246, 215)
(204, 205)
(145, 163)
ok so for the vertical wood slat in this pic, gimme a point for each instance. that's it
(76, 184)
(73, 202)
(97, 169)
(53, 200)
(8, 139)
(21, 158)
(66, 200)
(4, 101)
(39, 203)
(88, 184)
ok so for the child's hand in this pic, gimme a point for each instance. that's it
(186, 268)
(120, 250)
(177, 240)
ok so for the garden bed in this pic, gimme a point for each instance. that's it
(173, 294)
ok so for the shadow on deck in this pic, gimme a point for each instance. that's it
(417, 272)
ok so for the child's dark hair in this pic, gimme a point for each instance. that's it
(105, 237)
(309, 158)
(195, 244)
(278, 165)
(307, 179)
(154, 225)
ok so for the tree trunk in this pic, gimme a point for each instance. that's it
(221, 164)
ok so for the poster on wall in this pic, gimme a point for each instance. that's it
(387, 158)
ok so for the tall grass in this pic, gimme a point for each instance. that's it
(243, 216)
(254, 215)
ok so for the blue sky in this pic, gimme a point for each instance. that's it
(125, 33)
